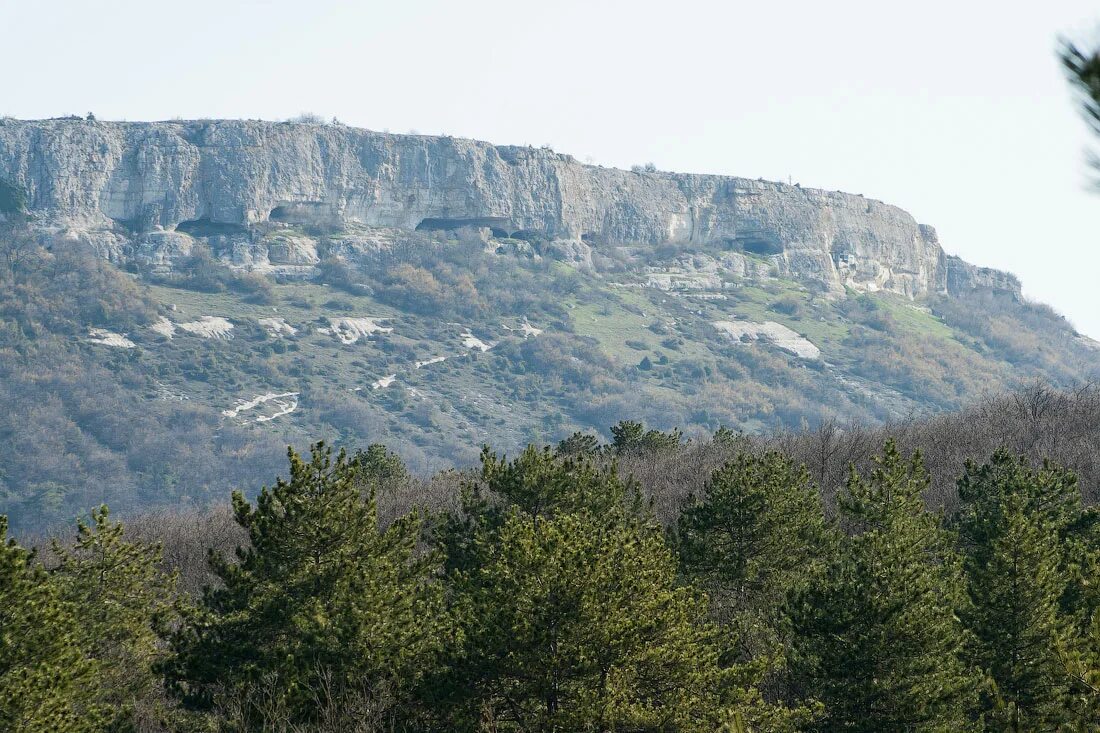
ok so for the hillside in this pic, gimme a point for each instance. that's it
(179, 301)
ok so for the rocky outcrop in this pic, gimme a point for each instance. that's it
(962, 275)
(157, 182)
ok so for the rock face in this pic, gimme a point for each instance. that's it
(166, 182)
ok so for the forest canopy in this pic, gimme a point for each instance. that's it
(554, 590)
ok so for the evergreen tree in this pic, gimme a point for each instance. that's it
(725, 436)
(580, 627)
(380, 469)
(1082, 67)
(756, 535)
(47, 684)
(1082, 665)
(579, 444)
(124, 603)
(757, 532)
(1015, 530)
(542, 484)
(877, 640)
(629, 436)
(322, 602)
(572, 615)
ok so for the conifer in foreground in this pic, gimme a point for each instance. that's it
(124, 603)
(1011, 531)
(573, 617)
(878, 641)
(46, 682)
(322, 604)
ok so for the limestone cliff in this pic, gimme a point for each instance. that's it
(139, 190)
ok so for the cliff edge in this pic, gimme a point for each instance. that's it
(127, 186)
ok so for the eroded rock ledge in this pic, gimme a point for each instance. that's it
(144, 189)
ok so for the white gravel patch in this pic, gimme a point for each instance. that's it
(470, 341)
(384, 382)
(209, 327)
(164, 327)
(282, 404)
(525, 328)
(350, 330)
(773, 332)
(109, 338)
(277, 326)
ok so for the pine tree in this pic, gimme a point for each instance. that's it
(579, 444)
(757, 532)
(628, 436)
(757, 535)
(1082, 666)
(877, 640)
(47, 684)
(1015, 533)
(583, 628)
(572, 615)
(124, 603)
(1082, 67)
(323, 602)
(381, 469)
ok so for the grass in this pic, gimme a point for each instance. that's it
(612, 326)
(614, 322)
(296, 302)
(909, 317)
(816, 320)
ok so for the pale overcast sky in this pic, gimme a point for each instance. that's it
(956, 111)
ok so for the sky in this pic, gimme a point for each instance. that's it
(955, 111)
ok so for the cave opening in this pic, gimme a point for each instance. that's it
(496, 223)
(759, 244)
(206, 228)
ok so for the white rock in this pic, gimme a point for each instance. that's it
(470, 341)
(292, 250)
(350, 330)
(209, 327)
(773, 332)
(283, 404)
(109, 338)
(277, 326)
(384, 382)
(285, 408)
(164, 327)
(526, 328)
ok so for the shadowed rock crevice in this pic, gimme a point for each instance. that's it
(759, 243)
(206, 228)
(496, 223)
